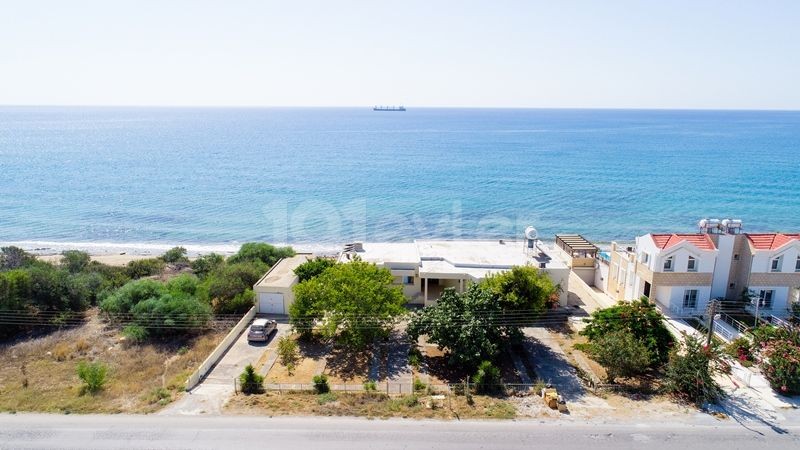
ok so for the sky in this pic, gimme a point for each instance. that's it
(495, 53)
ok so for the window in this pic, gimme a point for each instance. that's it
(732, 286)
(668, 264)
(692, 265)
(645, 257)
(408, 280)
(735, 256)
(776, 265)
(765, 298)
(690, 298)
(797, 265)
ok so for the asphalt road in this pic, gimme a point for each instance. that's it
(139, 432)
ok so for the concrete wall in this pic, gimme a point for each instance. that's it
(206, 366)
(586, 274)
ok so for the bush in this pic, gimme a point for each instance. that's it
(135, 334)
(252, 382)
(690, 373)
(487, 379)
(780, 364)
(287, 352)
(621, 355)
(14, 258)
(222, 287)
(370, 386)
(321, 385)
(260, 252)
(203, 265)
(314, 268)
(93, 375)
(131, 294)
(741, 349)
(75, 261)
(169, 314)
(184, 284)
(140, 268)
(327, 397)
(241, 303)
(641, 319)
(419, 385)
(414, 357)
(175, 255)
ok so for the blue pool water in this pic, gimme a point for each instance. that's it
(323, 176)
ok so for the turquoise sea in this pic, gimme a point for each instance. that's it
(217, 176)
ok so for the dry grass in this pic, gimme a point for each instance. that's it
(371, 406)
(340, 365)
(39, 374)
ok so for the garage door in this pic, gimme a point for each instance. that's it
(270, 303)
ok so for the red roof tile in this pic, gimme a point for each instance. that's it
(665, 241)
(770, 241)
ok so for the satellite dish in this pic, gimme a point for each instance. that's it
(531, 233)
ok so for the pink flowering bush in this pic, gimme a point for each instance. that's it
(780, 364)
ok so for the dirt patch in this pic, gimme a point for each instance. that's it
(339, 364)
(371, 405)
(39, 374)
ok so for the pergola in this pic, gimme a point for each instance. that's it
(576, 246)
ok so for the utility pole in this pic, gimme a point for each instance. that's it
(712, 311)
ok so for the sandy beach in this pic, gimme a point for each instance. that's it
(111, 260)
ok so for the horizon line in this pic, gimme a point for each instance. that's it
(565, 108)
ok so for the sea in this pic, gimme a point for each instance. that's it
(143, 179)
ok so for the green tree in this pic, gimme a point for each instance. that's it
(487, 378)
(171, 314)
(230, 288)
(690, 372)
(621, 354)
(262, 252)
(184, 284)
(313, 268)
(523, 288)
(469, 326)
(131, 294)
(287, 351)
(251, 381)
(356, 300)
(203, 265)
(75, 261)
(175, 255)
(93, 375)
(639, 318)
(15, 258)
(140, 268)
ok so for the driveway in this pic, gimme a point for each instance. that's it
(210, 395)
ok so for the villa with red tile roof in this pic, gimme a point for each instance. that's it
(682, 272)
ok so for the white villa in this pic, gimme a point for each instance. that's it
(683, 272)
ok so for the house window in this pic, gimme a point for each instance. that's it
(645, 257)
(735, 256)
(668, 264)
(732, 286)
(692, 265)
(776, 265)
(690, 298)
(765, 298)
(797, 265)
(408, 280)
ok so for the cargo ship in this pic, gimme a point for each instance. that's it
(389, 108)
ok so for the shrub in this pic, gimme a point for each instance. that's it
(781, 366)
(184, 284)
(75, 261)
(175, 255)
(222, 287)
(241, 303)
(160, 395)
(14, 258)
(741, 349)
(145, 267)
(169, 314)
(82, 345)
(135, 334)
(414, 357)
(287, 352)
(260, 252)
(370, 386)
(410, 400)
(327, 397)
(419, 385)
(621, 355)
(641, 319)
(487, 379)
(690, 372)
(93, 375)
(252, 382)
(131, 294)
(62, 351)
(203, 265)
(321, 385)
(314, 268)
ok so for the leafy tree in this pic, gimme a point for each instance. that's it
(287, 351)
(15, 258)
(251, 381)
(203, 265)
(690, 372)
(133, 293)
(313, 268)
(321, 385)
(184, 284)
(93, 375)
(261, 252)
(175, 255)
(468, 326)
(356, 300)
(621, 354)
(523, 288)
(641, 319)
(229, 288)
(75, 261)
(140, 268)
(171, 314)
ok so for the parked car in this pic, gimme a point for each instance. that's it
(261, 329)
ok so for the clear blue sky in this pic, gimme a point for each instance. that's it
(618, 54)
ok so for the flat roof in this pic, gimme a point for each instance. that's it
(282, 273)
(386, 252)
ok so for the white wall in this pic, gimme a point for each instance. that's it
(722, 268)
(672, 296)
(762, 259)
